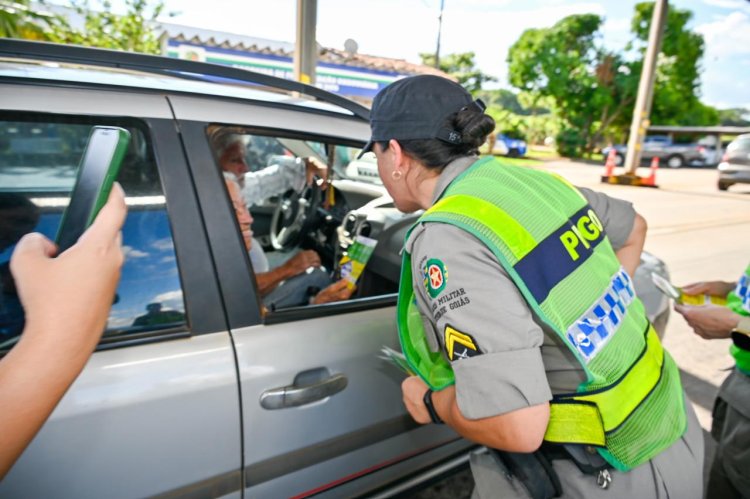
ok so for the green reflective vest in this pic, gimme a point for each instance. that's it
(553, 246)
(739, 301)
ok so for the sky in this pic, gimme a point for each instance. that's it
(404, 28)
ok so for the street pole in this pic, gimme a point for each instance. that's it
(440, 29)
(642, 109)
(305, 48)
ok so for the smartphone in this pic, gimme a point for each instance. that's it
(96, 173)
(665, 286)
(677, 295)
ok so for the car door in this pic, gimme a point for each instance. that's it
(322, 413)
(156, 410)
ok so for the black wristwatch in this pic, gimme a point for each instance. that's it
(434, 417)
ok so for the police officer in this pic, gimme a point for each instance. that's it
(731, 423)
(517, 311)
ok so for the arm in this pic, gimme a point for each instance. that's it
(300, 262)
(521, 430)
(714, 288)
(274, 180)
(709, 321)
(67, 301)
(501, 394)
(630, 253)
(338, 291)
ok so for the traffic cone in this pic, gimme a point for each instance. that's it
(609, 166)
(650, 181)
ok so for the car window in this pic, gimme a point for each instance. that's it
(278, 215)
(741, 144)
(39, 157)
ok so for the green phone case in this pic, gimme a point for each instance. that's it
(113, 170)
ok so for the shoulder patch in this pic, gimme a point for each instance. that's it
(435, 277)
(459, 345)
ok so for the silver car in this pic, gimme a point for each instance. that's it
(193, 390)
(735, 165)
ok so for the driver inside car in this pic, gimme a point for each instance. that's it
(301, 279)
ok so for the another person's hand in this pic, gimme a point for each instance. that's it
(709, 321)
(713, 288)
(66, 301)
(413, 390)
(338, 291)
(73, 293)
(315, 167)
(302, 261)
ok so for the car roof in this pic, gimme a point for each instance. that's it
(87, 66)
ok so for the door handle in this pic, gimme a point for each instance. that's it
(296, 395)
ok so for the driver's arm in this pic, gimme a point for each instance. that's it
(276, 179)
(299, 263)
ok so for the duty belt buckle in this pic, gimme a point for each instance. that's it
(604, 479)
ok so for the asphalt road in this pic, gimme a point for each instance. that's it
(702, 234)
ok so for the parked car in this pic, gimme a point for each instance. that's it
(193, 390)
(506, 146)
(670, 154)
(735, 165)
(516, 147)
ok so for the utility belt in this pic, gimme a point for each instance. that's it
(535, 471)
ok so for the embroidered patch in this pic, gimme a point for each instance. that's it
(459, 345)
(435, 276)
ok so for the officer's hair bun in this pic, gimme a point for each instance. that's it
(474, 126)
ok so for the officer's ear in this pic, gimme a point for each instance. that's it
(400, 158)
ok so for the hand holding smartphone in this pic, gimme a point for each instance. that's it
(97, 172)
(678, 296)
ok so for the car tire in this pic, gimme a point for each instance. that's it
(619, 159)
(723, 186)
(675, 161)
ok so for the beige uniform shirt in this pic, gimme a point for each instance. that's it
(519, 361)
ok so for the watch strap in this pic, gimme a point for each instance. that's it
(427, 399)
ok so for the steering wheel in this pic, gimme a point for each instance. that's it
(294, 216)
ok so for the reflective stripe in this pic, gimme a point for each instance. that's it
(572, 422)
(620, 399)
(590, 332)
(743, 292)
(513, 234)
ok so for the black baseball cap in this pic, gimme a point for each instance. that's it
(415, 108)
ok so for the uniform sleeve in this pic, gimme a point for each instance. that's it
(273, 180)
(479, 320)
(617, 215)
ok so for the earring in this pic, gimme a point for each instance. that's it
(396, 175)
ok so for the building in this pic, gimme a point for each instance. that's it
(347, 73)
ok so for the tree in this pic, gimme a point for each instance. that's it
(589, 85)
(462, 67)
(676, 100)
(133, 31)
(19, 20)
(734, 117)
(594, 89)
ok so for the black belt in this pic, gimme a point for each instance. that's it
(534, 470)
